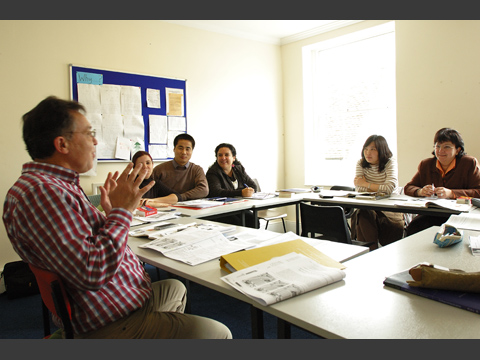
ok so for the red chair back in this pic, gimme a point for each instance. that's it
(54, 296)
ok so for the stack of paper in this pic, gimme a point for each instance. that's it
(198, 204)
(475, 245)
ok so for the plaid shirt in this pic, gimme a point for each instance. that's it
(52, 224)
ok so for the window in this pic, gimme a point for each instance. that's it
(349, 90)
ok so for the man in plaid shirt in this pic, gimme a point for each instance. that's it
(52, 225)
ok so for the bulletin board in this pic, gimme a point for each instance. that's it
(130, 112)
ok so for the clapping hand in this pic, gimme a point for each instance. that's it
(124, 191)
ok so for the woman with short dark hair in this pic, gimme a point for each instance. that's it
(449, 174)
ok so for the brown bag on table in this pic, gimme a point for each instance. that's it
(428, 276)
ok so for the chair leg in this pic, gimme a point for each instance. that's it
(266, 225)
(46, 319)
(284, 227)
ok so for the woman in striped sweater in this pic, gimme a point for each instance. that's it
(377, 171)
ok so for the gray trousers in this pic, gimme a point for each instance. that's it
(162, 317)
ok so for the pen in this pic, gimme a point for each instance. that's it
(246, 186)
(433, 188)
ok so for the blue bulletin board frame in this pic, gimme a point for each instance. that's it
(81, 74)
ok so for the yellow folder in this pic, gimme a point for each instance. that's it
(245, 258)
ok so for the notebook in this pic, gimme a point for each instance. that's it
(460, 299)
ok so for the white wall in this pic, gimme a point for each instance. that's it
(438, 85)
(234, 88)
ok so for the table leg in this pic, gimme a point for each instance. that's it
(283, 329)
(297, 217)
(255, 218)
(257, 323)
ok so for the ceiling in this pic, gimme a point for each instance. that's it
(278, 32)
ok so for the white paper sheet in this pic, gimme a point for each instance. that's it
(153, 98)
(158, 129)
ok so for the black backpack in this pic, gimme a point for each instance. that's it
(19, 280)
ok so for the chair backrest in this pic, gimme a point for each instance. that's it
(324, 222)
(95, 199)
(348, 211)
(258, 184)
(54, 297)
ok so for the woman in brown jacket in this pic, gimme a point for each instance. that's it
(448, 175)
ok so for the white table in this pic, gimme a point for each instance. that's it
(208, 274)
(386, 204)
(240, 208)
(360, 307)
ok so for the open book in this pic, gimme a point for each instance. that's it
(372, 196)
(327, 194)
(438, 204)
(282, 278)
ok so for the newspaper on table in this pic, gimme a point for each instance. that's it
(282, 278)
(154, 231)
(194, 246)
(159, 229)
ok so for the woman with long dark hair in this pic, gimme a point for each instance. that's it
(377, 171)
(227, 178)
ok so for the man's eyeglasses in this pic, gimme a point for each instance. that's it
(92, 133)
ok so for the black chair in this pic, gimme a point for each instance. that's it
(348, 211)
(328, 223)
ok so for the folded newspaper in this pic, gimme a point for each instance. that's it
(282, 278)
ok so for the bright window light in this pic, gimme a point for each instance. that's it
(349, 90)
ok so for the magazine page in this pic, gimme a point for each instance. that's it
(282, 277)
